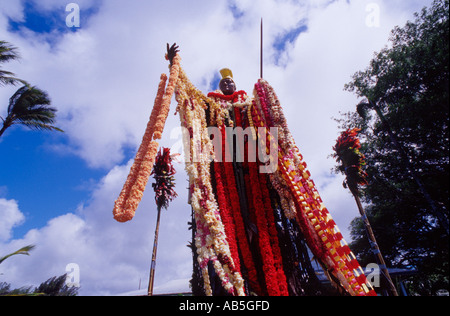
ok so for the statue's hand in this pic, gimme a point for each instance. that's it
(172, 51)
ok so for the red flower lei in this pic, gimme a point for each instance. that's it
(233, 97)
(230, 189)
(262, 98)
(316, 248)
(268, 265)
(273, 234)
(225, 213)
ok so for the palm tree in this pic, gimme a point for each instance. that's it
(8, 53)
(29, 106)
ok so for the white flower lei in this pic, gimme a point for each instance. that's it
(211, 239)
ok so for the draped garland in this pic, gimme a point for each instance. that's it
(249, 228)
(212, 245)
(292, 182)
(321, 232)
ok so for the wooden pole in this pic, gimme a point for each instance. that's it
(155, 249)
(374, 243)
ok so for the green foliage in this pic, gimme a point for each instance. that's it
(29, 106)
(55, 286)
(408, 82)
(8, 53)
(23, 251)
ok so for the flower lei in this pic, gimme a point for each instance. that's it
(273, 234)
(211, 238)
(227, 177)
(347, 152)
(319, 229)
(133, 190)
(220, 109)
(268, 241)
(221, 238)
(226, 213)
(163, 172)
(262, 212)
(235, 97)
(165, 106)
(241, 234)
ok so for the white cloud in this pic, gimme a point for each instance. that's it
(103, 80)
(113, 258)
(10, 216)
(12, 9)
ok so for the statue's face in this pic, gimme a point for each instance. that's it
(227, 86)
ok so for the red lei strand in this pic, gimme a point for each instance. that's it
(263, 212)
(262, 98)
(273, 234)
(316, 248)
(265, 248)
(229, 180)
(241, 235)
(233, 97)
(227, 219)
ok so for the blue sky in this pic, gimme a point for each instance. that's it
(38, 20)
(44, 183)
(57, 190)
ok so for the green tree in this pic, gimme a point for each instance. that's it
(406, 144)
(29, 106)
(55, 286)
(5, 288)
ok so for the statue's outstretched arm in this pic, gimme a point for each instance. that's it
(172, 51)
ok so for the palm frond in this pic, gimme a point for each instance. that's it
(40, 126)
(8, 78)
(22, 251)
(41, 114)
(29, 106)
(26, 99)
(8, 52)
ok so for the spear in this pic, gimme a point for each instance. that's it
(262, 49)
